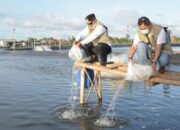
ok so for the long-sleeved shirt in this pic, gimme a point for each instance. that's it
(84, 34)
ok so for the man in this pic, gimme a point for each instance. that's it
(151, 44)
(94, 39)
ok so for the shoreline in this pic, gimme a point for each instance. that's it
(69, 46)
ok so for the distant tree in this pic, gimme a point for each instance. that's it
(175, 39)
(71, 40)
(30, 41)
(123, 40)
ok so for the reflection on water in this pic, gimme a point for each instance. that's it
(34, 85)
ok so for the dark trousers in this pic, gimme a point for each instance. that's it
(101, 50)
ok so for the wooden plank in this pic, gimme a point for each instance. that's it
(123, 69)
(120, 69)
(167, 77)
(175, 62)
(155, 80)
(100, 68)
(115, 65)
(176, 52)
(172, 73)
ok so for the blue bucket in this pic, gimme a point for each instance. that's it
(87, 83)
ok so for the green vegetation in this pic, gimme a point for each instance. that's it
(114, 40)
(175, 40)
(123, 40)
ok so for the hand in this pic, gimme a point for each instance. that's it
(78, 44)
(153, 65)
(74, 42)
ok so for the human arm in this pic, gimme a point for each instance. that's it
(79, 37)
(99, 30)
(157, 55)
(160, 41)
(133, 48)
(82, 34)
(132, 52)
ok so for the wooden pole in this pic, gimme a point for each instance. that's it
(82, 86)
(99, 85)
(100, 68)
(92, 82)
(155, 80)
(166, 76)
(92, 86)
(116, 65)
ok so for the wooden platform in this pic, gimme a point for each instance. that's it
(119, 70)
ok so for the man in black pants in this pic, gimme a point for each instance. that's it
(94, 40)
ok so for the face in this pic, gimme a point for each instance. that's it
(145, 29)
(143, 26)
(92, 24)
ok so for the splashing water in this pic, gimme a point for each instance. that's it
(74, 91)
(111, 108)
(67, 115)
(104, 120)
(71, 113)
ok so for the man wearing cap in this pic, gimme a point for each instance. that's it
(151, 44)
(94, 39)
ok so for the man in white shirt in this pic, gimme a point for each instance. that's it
(151, 44)
(94, 39)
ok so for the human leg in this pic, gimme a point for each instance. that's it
(144, 53)
(163, 61)
(102, 50)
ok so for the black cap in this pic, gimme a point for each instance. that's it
(89, 18)
(144, 20)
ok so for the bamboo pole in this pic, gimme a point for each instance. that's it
(172, 73)
(177, 52)
(120, 69)
(168, 75)
(99, 85)
(100, 68)
(124, 69)
(82, 93)
(92, 86)
(116, 65)
(155, 80)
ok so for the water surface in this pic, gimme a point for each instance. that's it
(33, 84)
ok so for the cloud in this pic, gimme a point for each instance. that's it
(47, 25)
(48, 21)
(119, 21)
(125, 17)
(52, 24)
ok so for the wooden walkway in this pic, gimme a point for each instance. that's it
(119, 70)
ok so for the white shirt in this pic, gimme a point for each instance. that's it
(99, 30)
(160, 40)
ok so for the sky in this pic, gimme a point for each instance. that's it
(65, 18)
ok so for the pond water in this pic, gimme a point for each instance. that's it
(34, 86)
